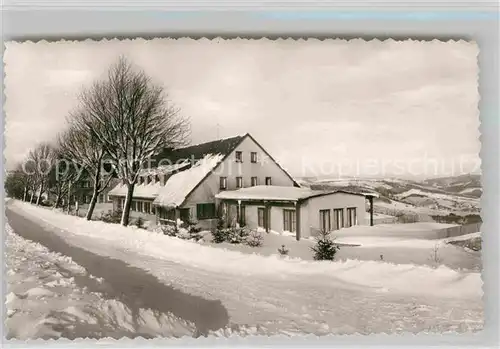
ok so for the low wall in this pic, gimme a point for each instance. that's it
(458, 230)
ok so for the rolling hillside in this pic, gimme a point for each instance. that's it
(422, 199)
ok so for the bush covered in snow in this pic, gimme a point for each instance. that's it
(233, 235)
(255, 239)
(283, 251)
(192, 229)
(139, 222)
(325, 248)
(111, 216)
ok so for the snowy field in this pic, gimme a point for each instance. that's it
(272, 295)
(410, 243)
(46, 298)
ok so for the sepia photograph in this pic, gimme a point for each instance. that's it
(169, 188)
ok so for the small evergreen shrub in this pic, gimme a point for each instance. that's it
(170, 230)
(112, 216)
(325, 248)
(139, 222)
(193, 231)
(237, 235)
(283, 251)
(255, 239)
(220, 235)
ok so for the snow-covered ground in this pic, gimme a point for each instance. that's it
(272, 295)
(44, 300)
(411, 243)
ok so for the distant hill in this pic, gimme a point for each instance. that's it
(432, 197)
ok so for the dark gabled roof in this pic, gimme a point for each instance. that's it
(198, 151)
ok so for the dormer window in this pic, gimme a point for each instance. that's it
(253, 156)
(239, 156)
(139, 180)
(268, 180)
(239, 182)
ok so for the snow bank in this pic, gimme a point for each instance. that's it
(409, 279)
(42, 303)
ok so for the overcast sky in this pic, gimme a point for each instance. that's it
(319, 107)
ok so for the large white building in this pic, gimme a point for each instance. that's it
(236, 178)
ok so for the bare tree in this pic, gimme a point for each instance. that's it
(40, 160)
(63, 176)
(133, 120)
(82, 147)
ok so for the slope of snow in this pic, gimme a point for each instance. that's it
(238, 264)
(44, 301)
(272, 295)
(181, 184)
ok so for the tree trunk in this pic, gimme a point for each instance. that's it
(95, 193)
(68, 205)
(25, 196)
(58, 200)
(126, 206)
(93, 201)
(39, 195)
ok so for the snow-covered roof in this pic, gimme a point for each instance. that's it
(147, 191)
(274, 193)
(164, 169)
(181, 184)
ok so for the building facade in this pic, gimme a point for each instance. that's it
(191, 184)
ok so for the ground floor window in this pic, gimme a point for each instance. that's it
(338, 218)
(289, 220)
(139, 206)
(147, 207)
(206, 211)
(324, 220)
(185, 214)
(260, 217)
(351, 216)
(240, 215)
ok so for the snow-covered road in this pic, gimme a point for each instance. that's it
(266, 295)
(50, 296)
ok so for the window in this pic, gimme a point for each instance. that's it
(239, 156)
(338, 218)
(268, 180)
(223, 183)
(324, 220)
(351, 216)
(139, 206)
(253, 157)
(205, 211)
(101, 198)
(260, 217)
(147, 207)
(289, 219)
(240, 215)
(254, 181)
(185, 215)
(239, 182)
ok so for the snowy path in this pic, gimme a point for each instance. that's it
(267, 296)
(50, 296)
(133, 287)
